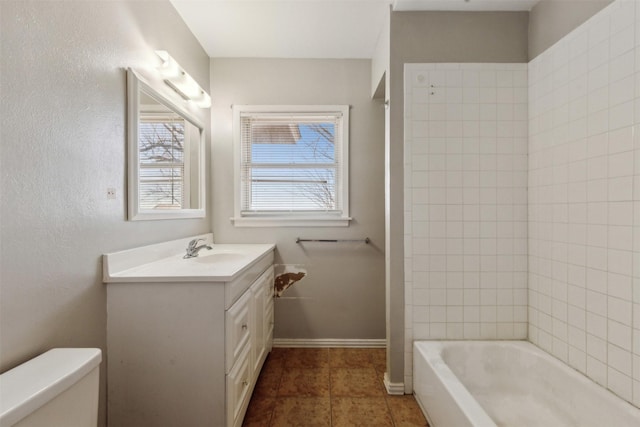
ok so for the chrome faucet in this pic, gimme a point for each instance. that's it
(193, 248)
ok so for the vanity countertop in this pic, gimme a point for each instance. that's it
(165, 262)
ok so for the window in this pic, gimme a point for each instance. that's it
(162, 165)
(291, 165)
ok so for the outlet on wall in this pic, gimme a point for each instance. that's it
(111, 193)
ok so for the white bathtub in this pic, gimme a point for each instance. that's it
(509, 383)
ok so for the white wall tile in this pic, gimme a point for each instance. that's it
(530, 226)
(467, 204)
(597, 178)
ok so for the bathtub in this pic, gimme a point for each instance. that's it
(509, 383)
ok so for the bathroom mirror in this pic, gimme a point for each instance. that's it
(166, 154)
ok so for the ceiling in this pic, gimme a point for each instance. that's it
(306, 28)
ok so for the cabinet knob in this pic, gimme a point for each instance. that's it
(245, 383)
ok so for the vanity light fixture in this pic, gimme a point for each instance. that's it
(179, 80)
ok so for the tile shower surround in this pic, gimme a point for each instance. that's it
(465, 202)
(584, 211)
(579, 275)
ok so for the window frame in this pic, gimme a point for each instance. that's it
(293, 218)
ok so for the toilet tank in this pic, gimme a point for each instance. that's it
(57, 388)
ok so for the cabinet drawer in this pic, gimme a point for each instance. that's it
(238, 329)
(238, 387)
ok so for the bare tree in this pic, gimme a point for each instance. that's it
(321, 186)
(161, 148)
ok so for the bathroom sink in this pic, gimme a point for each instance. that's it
(211, 257)
(164, 262)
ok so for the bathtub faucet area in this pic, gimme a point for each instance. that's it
(193, 249)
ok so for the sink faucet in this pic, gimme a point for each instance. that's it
(193, 248)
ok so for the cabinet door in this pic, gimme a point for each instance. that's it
(268, 312)
(257, 342)
(238, 388)
(268, 327)
(238, 329)
(262, 291)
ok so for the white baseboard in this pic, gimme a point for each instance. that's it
(320, 343)
(393, 388)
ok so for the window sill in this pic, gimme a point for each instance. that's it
(290, 222)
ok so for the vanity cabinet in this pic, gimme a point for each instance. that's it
(247, 344)
(187, 353)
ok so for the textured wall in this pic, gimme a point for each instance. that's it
(342, 296)
(63, 133)
(584, 199)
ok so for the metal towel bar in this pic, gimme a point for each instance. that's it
(365, 240)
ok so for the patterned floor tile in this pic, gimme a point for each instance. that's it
(406, 412)
(337, 387)
(268, 383)
(379, 359)
(259, 412)
(350, 357)
(355, 382)
(307, 358)
(303, 382)
(360, 411)
(275, 360)
(302, 412)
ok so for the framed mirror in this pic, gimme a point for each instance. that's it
(166, 156)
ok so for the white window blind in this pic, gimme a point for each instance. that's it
(162, 161)
(291, 163)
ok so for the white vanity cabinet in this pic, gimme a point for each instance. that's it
(247, 344)
(187, 352)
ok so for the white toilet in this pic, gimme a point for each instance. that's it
(57, 388)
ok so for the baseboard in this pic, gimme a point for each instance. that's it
(320, 343)
(393, 388)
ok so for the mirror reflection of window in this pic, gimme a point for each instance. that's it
(162, 147)
(166, 155)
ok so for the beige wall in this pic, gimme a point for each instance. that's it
(380, 59)
(550, 20)
(63, 134)
(433, 37)
(342, 296)
(459, 36)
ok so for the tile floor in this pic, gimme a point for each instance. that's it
(332, 387)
